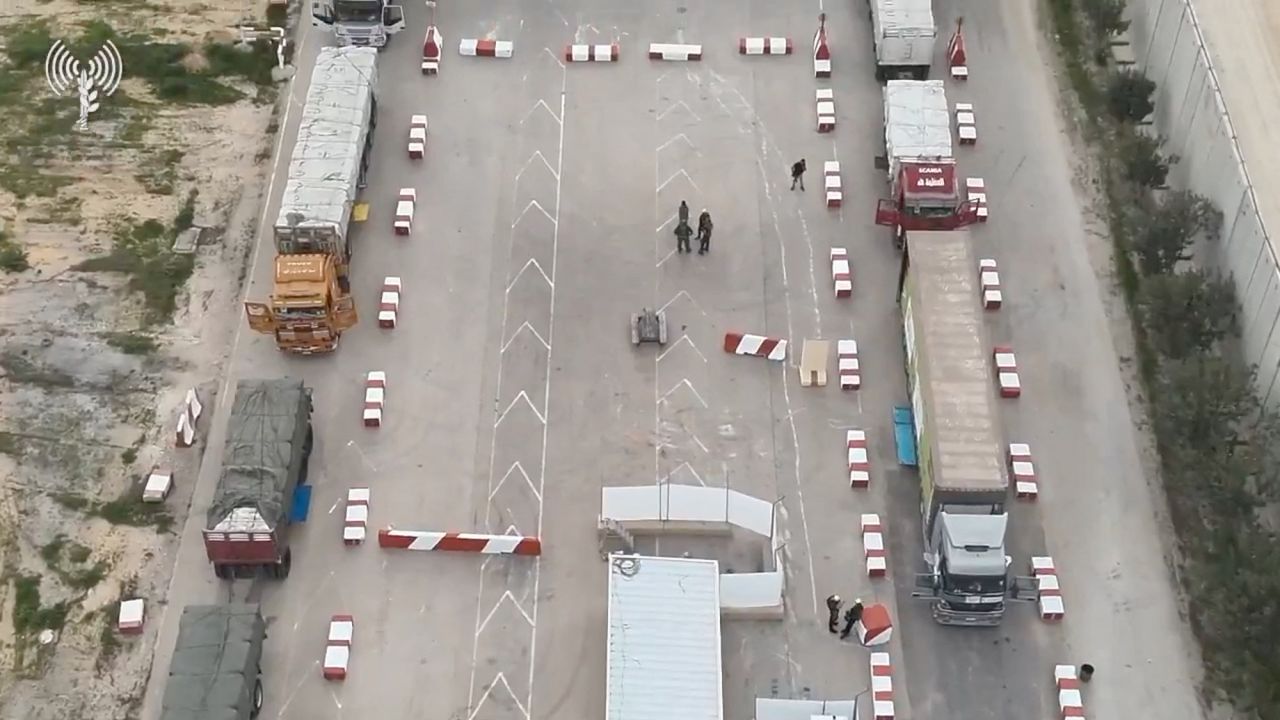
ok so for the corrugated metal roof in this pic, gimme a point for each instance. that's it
(917, 121)
(664, 639)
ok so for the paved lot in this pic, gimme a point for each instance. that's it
(548, 196)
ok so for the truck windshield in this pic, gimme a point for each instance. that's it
(297, 313)
(349, 11)
(973, 584)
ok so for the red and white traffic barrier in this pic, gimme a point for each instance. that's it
(1048, 591)
(831, 182)
(459, 542)
(755, 345)
(989, 282)
(431, 50)
(966, 124)
(859, 461)
(956, 58)
(486, 48)
(1024, 471)
(406, 202)
(1066, 680)
(841, 273)
(821, 52)
(875, 628)
(337, 647)
(826, 103)
(132, 615)
(764, 46)
(847, 362)
(881, 686)
(976, 188)
(389, 303)
(188, 415)
(674, 51)
(417, 137)
(873, 549)
(355, 525)
(1007, 372)
(375, 398)
(592, 53)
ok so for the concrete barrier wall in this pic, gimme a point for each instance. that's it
(1190, 112)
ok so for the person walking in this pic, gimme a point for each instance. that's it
(683, 233)
(683, 213)
(851, 616)
(704, 232)
(833, 607)
(797, 174)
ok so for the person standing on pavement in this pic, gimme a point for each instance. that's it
(851, 616)
(704, 232)
(833, 607)
(683, 233)
(683, 213)
(797, 174)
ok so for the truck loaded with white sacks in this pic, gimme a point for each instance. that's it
(368, 23)
(904, 37)
(963, 479)
(925, 190)
(216, 669)
(264, 460)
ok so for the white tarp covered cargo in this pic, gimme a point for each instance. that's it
(917, 121)
(324, 167)
(904, 32)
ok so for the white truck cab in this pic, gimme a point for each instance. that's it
(369, 23)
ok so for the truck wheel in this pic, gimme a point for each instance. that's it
(282, 570)
(310, 441)
(257, 699)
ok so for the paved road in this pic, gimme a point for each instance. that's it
(548, 193)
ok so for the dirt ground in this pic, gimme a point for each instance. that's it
(87, 405)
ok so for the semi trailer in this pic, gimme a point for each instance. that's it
(216, 669)
(904, 38)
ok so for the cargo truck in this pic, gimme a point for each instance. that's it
(216, 670)
(924, 188)
(358, 22)
(265, 459)
(904, 37)
(963, 479)
(311, 303)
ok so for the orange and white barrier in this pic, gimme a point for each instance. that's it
(389, 303)
(1024, 471)
(337, 647)
(873, 549)
(957, 60)
(859, 462)
(1007, 372)
(1048, 591)
(826, 104)
(831, 182)
(847, 360)
(966, 124)
(764, 46)
(417, 137)
(875, 628)
(976, 189)
(841, 273)
(432, 43)
(592, 53)
(188, 416)
(821, 52)
(406, 202)
(881, 686)
(1066, 680)
(355, 524)
(989, 283)
(375, 398)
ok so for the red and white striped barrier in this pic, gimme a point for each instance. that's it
(406, 202)
(956, 58)
(831, 182)
(459, 542)
(841, 273)
(188, 415)
(989, 282)
(592, 53)
(821, 53)
(966, 124)
(431, 50)
(417, 137)
(389, 303)
(826, 104)
(337, 647)
(375, 398)
(486, 48)
(859, 461)
(847, 362)
(132, 615)
(873, 549)
(1024, 471)
(881, 686)
(673, 51)
(1048, 591)
(755, 345)
(976, 188)
(1066, 680)
(764, 46)
(1007, 372)
(875, 628)
(355, 524)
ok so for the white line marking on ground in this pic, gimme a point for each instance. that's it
(499, 678)
(514, 467)
(687, 297)
(536, 154)
(679, 136)
(667, 222)
(683, 339)
(665, 258)
(684, 382)
(534, 204)
(685, 466)
(506, 596)
(363, 458)
(555, 57)
(531, 263)
(540, 104)
(524, 326)
(676, 104)
(521, 396)
(673, 177)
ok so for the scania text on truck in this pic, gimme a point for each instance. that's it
(311, 303)
(924, 188)
(904, 36)
(264, 460)
(369, 23)
(963, 479)
(216, 669)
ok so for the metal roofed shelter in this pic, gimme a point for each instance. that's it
(663, 639)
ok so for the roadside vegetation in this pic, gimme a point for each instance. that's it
(1218, 446)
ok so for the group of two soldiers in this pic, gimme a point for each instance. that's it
(851, 616)
(684, 232)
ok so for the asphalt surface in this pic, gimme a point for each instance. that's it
(545, 219)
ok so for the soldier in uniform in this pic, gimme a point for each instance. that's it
(704, 232)
(683, 233)
(833, 607)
